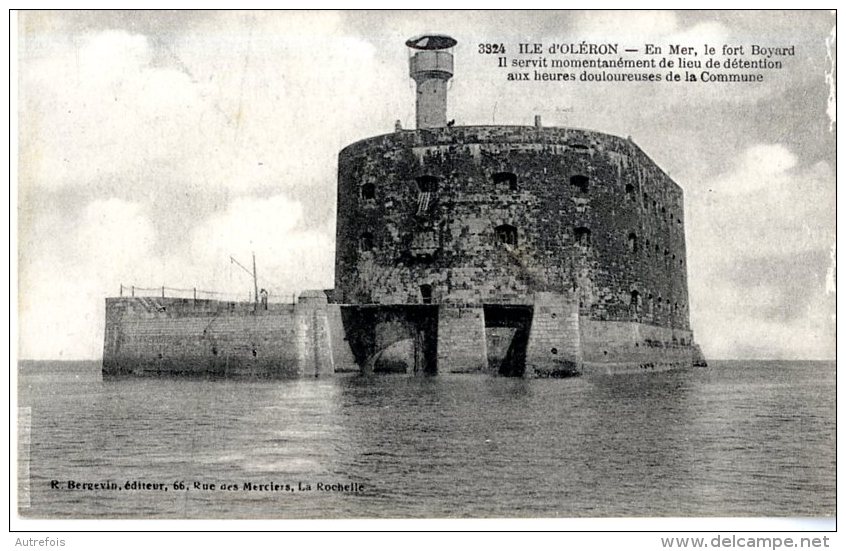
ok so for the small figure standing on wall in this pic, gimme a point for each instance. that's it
(263, 298)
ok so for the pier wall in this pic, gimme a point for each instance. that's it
(160, 336)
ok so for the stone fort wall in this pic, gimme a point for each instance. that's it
(497, 214)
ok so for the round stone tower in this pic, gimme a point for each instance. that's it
(509, 249)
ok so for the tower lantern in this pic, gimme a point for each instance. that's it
(431, 67)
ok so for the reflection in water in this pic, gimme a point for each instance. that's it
(736, 439)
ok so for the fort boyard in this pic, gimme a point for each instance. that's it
(523, 251)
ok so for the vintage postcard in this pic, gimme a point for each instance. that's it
(425, 265)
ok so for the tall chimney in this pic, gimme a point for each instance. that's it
(431, 67)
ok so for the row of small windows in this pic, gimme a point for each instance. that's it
(507, 234)
(429, 184)
(655, 208)
(635, 302)
(634, 247)
(425, 184)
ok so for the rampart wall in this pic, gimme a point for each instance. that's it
(480, 215)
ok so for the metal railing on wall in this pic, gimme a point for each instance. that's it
(201, 294)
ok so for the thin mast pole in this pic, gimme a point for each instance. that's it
(255, 280)
(253, 273)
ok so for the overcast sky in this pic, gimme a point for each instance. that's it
(154, 145)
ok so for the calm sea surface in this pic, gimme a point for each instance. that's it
(734, 439)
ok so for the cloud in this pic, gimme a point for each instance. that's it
(63, 282)
(760, 235)
(765, 204)
(290, 258)
(101, 108)
(761, 167)
(94, 108)
(113, 233)
(732, 322)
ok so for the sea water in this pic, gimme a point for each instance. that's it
(738, 438)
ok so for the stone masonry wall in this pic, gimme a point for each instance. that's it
(554, 347)
(166, 335)
(475, 215)
(461, 340)
(628, 346)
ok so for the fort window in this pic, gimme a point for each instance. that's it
(427, 183)
(368, 191)
(427, 186)
(582, 236)
(579, 147)
(629, 190)
(580, 182)
(633, 242)
(666, 252)
(365, 242)
(645, 199)
(634, 301)
(426, 293)
(506, 178)
(506, 234)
